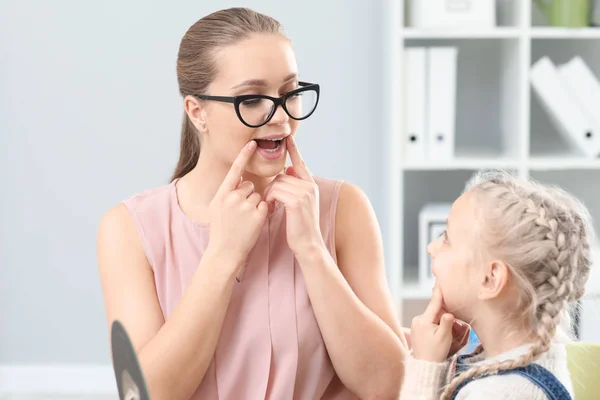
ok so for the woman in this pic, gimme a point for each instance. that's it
(286, 298)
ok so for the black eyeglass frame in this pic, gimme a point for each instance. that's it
(278, 101)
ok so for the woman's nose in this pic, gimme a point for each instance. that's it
(280, 116)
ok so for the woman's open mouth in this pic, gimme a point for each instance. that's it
(270, 145)
(271, 148)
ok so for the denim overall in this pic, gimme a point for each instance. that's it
(537, 374)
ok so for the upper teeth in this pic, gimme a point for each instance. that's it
(274, 140)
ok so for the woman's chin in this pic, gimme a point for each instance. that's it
(267, 169)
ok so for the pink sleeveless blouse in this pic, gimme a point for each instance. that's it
(270, 345)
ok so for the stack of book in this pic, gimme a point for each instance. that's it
(570, 95)
(568, 92)
(429, 103)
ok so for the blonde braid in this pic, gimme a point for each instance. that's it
(542, 220)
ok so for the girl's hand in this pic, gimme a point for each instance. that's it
(236, 214)
(431, 332)
(298, 192)
(460, 336)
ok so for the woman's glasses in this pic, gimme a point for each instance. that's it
(255, 110)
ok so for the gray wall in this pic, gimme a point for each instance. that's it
(89, 115)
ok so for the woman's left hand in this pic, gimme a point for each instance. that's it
(298, 192)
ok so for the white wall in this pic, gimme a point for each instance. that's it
(90, 114)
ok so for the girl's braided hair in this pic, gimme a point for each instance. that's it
(544, 235)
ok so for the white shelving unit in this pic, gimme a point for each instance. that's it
(499, 124)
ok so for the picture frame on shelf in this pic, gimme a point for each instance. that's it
(432, 223)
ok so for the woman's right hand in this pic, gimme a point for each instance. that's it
(236, 214)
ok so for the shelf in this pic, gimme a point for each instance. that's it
(499, 124)
(565, 33)
(501, 33)
(497, 33)
(556, 163)
(463, 163)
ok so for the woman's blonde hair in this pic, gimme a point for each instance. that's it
(543, 234)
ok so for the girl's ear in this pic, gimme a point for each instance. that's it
(494, 280)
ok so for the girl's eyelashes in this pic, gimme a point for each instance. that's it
(445, 236)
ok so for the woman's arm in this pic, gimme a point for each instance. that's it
(407, 334)
(352, 304)
(175, 354)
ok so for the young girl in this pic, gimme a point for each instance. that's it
(513, 256)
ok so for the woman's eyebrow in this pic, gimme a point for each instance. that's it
(262, 82)
(251, 82)
(291, 77)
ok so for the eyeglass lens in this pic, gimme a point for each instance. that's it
(256, 111)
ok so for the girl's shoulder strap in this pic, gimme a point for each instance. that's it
(536, 374)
